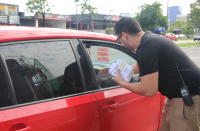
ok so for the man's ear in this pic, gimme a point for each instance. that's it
(125, 36)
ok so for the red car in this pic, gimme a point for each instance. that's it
(50, 81)
(170, 36)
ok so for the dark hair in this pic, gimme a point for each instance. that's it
(130, 25)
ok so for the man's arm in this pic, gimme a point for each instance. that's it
(148, 86)
(136, 68)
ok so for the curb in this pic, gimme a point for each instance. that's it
(190, 47)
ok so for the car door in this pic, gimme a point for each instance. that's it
(121, 110)
(43, 88)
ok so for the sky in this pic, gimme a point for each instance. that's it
(68, 7)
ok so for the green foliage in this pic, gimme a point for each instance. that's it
(189, 44)
(171, 29)
(179, 24)
(188, 30)
(193, 16)
(151, 17)
(87, 8)
(38, 6)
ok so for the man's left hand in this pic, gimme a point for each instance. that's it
(119, 78)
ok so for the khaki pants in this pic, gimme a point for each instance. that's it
(178, 117)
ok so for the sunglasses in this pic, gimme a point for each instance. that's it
(119, 37)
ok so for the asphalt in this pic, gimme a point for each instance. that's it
(194, 54)
(185, 41)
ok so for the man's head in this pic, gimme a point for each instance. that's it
(128, 32)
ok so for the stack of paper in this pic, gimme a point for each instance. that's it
(126, 70)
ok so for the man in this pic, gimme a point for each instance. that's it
(156, 63)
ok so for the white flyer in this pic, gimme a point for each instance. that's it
(126, 70)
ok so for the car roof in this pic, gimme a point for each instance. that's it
(11, 33)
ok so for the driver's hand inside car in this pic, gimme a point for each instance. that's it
(105, 71)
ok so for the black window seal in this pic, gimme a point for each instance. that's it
(90, 65)
(78, 62)
(8, 79)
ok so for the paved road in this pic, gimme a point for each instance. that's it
(185, 41)
(194, 54)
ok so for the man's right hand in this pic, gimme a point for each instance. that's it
(105, 71)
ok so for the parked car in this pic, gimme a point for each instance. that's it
(50, 81)
(183, 36)
(170, 36)
(177, 36)
(197, 37)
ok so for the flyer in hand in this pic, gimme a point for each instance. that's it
(126, 70)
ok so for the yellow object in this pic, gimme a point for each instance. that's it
(2, 7)
(99, 69)
(11, 8)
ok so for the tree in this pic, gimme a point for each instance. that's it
(177, 24)
(151, 17)
(193, 16)
(87, 8)
(188, 30)
(38, 6)
(164, 22)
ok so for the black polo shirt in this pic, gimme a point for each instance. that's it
(159, 54)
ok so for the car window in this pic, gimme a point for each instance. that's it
(42, 70)
(103, 57)
(5, 99)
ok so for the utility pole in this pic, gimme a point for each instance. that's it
(110, 21)
(168, 11)
(76, 18)
(167, 7)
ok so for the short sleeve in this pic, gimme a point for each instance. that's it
(147, 58)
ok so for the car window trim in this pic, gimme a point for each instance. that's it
(114, 46)
(79, 65)
(8, 79)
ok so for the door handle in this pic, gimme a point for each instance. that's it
(109, 107)
(25, 129)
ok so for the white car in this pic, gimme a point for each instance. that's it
(177, 35)
(182, 36)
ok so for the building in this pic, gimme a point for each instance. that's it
(182, 17)
(132, 15)
(173, 11)
(54, 20)
(28, 21)
(9, 14)
(100, 23)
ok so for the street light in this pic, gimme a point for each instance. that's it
(110, 20)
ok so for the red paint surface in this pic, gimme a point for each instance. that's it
(133, 112)
(80, 113)
(27, 33)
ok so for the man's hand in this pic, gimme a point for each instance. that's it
(105, 71)
(119, 78)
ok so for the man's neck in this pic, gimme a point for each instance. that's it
(139, 38)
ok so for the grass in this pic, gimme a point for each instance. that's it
(185, 38)
(189, 44)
